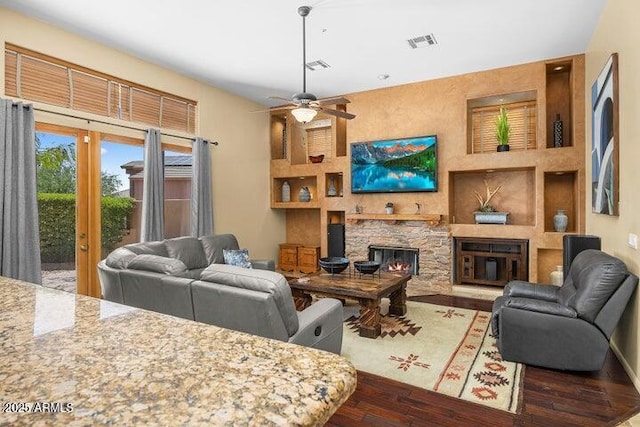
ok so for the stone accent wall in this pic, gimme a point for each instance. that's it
(435, 244)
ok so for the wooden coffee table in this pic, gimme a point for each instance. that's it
(368, 290)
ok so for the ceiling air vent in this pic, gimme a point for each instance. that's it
(422, 41)
(317, 65)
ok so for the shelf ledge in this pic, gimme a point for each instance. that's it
(431, 219)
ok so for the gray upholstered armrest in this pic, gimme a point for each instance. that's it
(519, 288)
(263, 264)
(320, 326)
(546, 307)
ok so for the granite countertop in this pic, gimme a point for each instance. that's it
(113, 364)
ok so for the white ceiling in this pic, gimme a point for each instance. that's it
(254, 47)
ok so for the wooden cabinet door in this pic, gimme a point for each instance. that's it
(308, 259)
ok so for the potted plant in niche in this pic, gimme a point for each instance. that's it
(389, 208)
(503, 130)
(486, 213)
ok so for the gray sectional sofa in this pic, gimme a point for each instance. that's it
(186, 277)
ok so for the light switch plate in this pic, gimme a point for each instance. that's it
(633, 240)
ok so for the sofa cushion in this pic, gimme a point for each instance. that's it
(150, 248)
(158, 264)
(188, 250)
(120, 258)
(261, 281)
(214, 245)
(237, 257)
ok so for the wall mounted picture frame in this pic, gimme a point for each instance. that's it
(605, 140)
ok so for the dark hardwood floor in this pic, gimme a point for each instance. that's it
(550, 398)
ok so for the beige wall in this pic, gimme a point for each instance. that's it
(618, 32)
(240, 163)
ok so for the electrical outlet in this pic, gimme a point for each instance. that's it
(633, 240)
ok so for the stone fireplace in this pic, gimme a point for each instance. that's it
(432, 243)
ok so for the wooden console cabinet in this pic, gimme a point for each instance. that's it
(484, 261)
(294, 257)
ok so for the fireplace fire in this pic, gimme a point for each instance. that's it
(395, 259)
(397, 266)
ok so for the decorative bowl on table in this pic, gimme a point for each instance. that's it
(316, 159)
(334, 264)
(366, 267)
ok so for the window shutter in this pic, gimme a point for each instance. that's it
(319, 142)
(522, 119)
(191, 118)
(145, 107)
(175, 114)
(89, 93)
(36, 77)
(44, 81)
(10, 73)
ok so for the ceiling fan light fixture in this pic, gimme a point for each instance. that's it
(303, 114)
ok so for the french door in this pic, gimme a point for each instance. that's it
(83, 178)
(77, 169)
(67, 241)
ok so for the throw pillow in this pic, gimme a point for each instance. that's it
(239, 257)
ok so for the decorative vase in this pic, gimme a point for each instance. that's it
(503, 147)
(331, 191)
(557, 132)
(557, 277)
(286, 192)
(560, 221)
(389, 209)
(305, 195)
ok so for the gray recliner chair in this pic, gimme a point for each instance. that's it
(565, 327)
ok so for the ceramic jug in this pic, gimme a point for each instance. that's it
(305, 195)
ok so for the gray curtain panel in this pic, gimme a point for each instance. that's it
(152, 221)
(19, 227)
(201, 199)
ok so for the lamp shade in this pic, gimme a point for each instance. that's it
(304, 115)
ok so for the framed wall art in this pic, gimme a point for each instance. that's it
(605, 140)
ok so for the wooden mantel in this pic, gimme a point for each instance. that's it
(431, 219)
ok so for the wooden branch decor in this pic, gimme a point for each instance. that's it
(484, 202)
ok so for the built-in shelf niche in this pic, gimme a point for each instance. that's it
(278, 137)
(295, 185)
(481, 117)
(559, 101)
(517, 195)
(297, 141)
(548, 260)
(334, 178)
(560, 192)
(335, 217)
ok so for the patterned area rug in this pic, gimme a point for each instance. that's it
(443, 349)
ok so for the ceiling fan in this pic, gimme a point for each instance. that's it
(306, 104)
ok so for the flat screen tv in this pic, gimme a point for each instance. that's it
(395, 165)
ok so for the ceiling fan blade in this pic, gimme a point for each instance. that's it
(279, 98)
(333, 101)
(337, 113)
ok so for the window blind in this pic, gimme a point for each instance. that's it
(522, 119)
(36, 77)
(319, 142)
